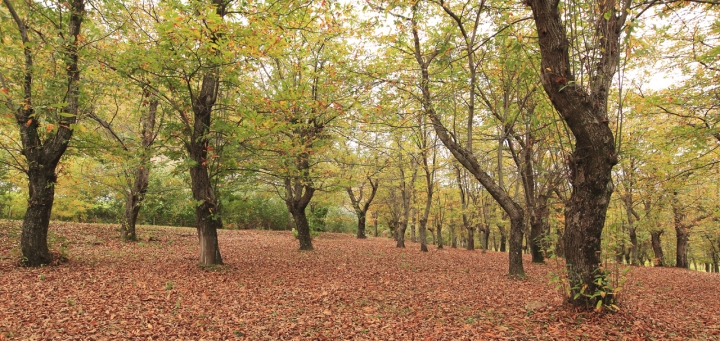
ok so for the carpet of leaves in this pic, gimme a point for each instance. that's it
(347, 289)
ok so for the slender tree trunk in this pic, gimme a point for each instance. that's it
(453, 238)
(438, 228)
(539, 227)
(657, 248)
(485, 237)
(375, 222)
(413, 237)
(142, 174)
(503, 238)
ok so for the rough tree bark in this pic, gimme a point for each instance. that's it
(584, 110)
(207, 218)
(657, 248)
(298, 196)
(43, 156)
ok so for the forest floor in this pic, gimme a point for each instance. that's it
(347, 289)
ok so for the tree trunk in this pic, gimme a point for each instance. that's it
(470, 246)
(485, 237)
(43, 156)
(400, 234)
(422, 235)
(657, 248)
(681, 252)
(375, 222)
(516, 241)
(142, 174)
(413, 237)
(206, 221)
(538, 229)
(584, 110)
(33, 240)
(361, 224)
(634, 249)
(299, 191)
(438, 228)
(453, 238)
(462, 154)
(303, 229)
(503, 238)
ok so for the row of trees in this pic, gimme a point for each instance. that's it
(356, 100)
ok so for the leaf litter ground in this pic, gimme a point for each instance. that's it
(347, 289)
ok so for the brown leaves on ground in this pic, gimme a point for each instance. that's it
(348, 289)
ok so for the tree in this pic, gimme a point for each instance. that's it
(361, 208)
(582, 101)
(56, 108)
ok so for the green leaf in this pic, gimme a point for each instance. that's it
(598, 305)
(607, 15)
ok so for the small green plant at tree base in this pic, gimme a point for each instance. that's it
(608, 284)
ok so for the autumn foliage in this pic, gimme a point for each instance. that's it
(346, 289)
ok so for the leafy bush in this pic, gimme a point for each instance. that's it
(254, 211)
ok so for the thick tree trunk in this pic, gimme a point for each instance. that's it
(132, 208)
(303, 229)
(361, 224)
(584, 110)
(33, 240)
(43, 156)
(299, 191)
(423, 235)
(206, 221)
(516, 241)
(681, 251)
(634, 249)
(657, 248)
(400, 234)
